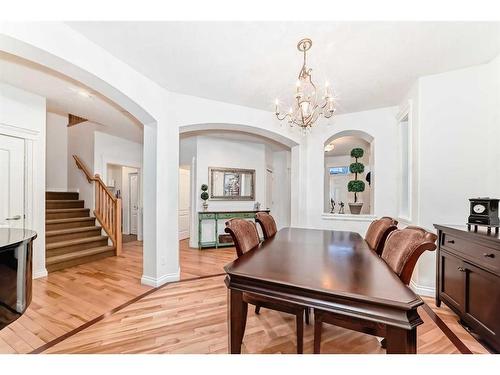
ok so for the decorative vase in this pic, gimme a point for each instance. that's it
(355, 208)
(205, 206)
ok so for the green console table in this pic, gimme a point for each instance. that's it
(217, 216)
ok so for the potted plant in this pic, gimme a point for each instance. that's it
(204, 196)
(356, 186)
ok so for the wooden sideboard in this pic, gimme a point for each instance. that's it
(468, 279)
(216, 217)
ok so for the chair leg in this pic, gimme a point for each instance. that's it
(257, 309)
(317, 333)
(307, 312)
(300, 332)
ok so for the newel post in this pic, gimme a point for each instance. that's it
(118, 226)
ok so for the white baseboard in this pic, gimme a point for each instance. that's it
(156, 282)
(422, 290)
(40, 273)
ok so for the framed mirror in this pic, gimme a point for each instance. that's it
(231, 184)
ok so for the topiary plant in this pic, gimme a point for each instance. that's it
(356, 186)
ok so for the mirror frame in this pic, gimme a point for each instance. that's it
(230, 198)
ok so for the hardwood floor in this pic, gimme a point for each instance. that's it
(195, 263)
(451, 321)
(190, 317)
(185, 317)
(69, 298)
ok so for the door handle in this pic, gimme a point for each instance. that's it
(17, 217)
(461, 269)
(451, 241)
(488, 255)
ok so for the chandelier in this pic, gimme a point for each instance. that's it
(306, 107)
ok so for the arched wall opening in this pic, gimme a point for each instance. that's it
(122, 99)
(337, 199)
(229, 146)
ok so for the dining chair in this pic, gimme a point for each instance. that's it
(377, 233)
(267, 224)
(246, 238)
(402, 250)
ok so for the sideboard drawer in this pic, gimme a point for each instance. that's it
(477, 253)
(226, 216)
(206, 216)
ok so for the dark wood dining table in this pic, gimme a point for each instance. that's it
(332, 271)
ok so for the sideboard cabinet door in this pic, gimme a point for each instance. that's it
(452, 280)
(483, 300)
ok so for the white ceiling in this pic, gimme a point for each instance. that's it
(65, 95)
(344, 145)
(369, 64)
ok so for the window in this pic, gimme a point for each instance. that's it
(405, 169)
(339, 170)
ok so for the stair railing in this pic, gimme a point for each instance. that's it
(108, 208)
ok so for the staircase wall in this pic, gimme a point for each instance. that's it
(81, 143)
(56, 172)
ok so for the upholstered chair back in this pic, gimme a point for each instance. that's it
(378, 231)
(403, 248)
(244, 234)
(267, 224)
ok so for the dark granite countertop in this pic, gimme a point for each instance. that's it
(11, 237)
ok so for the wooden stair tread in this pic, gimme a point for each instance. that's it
(78, 254)
(62, 200)
(78, 241)
(71, 230)
(69, 220)
(58, 210)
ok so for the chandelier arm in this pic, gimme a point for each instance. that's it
(281, 118)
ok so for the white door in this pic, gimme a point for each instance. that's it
(11, 182)
(133, 183)
(184, 206)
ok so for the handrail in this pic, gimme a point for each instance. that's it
(108, 208)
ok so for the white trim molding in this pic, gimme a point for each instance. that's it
(156, 282)
(348, 217)
(40, 273)
(422, 290)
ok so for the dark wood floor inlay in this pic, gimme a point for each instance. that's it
(447, 331)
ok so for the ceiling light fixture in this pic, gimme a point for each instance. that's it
(329, 147)
(306, 106)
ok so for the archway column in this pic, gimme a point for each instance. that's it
(161, 233)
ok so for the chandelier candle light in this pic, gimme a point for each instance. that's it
(306, 107)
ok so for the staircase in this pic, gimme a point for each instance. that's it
(72, 236)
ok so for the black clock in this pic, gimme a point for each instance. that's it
(484, 211)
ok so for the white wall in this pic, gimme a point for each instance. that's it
(379, 124)
(56, 174)
(280, 208)
(22, 115)
(81, 144)
(455, 116)
(216, 152)
(209, 151)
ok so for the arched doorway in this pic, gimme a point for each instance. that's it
(235, 146)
